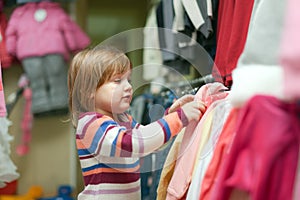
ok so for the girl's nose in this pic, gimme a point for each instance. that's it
(128, 86)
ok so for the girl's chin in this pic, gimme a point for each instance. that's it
(120, 109)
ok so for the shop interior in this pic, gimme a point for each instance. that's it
(239, 58)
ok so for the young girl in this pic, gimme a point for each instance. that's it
(109, 141)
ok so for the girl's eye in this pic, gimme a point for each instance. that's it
(117, 80)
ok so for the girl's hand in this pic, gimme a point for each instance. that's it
(194, 110)
(180, 102)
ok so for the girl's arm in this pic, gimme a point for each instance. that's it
(100, 135)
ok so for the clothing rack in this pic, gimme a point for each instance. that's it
(187, 87)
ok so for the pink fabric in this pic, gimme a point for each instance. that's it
(26, 124)
(57, 33)
(290, 60)
(263, 156)
(182, 175)
(2, 99)
(290, 50)
(6, 59)
(219, 153)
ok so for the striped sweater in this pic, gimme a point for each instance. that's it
(109, 152)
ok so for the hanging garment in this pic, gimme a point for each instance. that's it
(232, 30)
(258, 70)
(48, 82)
(42, 36)
(180, 181)
(38, 29)
(152, 56)
(164, 17)
(168, 39)
(289, 59)
(200, 18)
(5, 58)
(265, 143)
(206, 151)
(169, 166)
(1, 5)
(296, 191)
(290, 51)
(183, 169)
(218, 154)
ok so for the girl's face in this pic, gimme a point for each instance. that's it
(114, 96)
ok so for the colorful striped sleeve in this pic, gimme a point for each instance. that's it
(102, 136)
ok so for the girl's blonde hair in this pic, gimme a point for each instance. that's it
(89, 70)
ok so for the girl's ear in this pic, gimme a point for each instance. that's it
(92, 96)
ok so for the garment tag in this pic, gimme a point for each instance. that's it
(40, 15)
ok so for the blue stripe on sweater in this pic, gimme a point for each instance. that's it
(166, 128)
(99, 134)
(118, 166)
(114, 144)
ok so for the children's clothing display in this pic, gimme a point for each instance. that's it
(42, 36)
(209, 138)
(179, 184)
(219, 151)
(241, 147)
(265, 143)
(181, 43)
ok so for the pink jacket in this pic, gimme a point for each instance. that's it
(38, 29)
